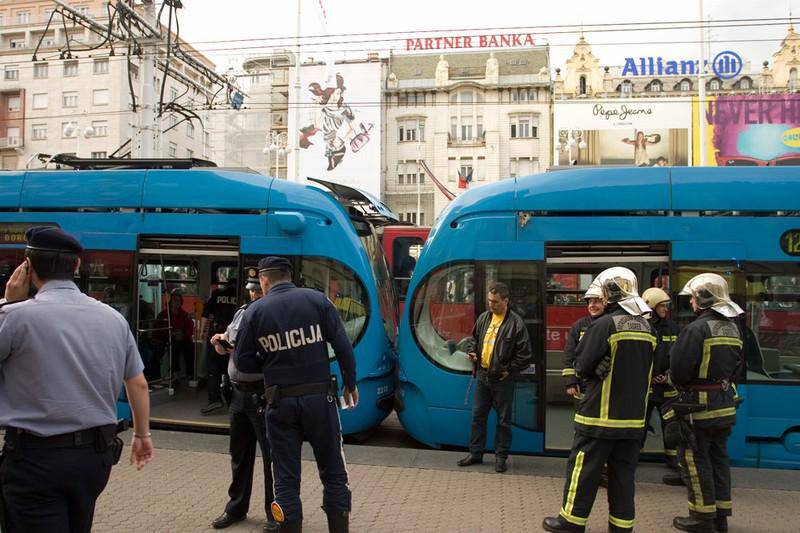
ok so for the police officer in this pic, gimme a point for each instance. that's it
(63, 360)
(217, 314)
(285, 334)
(703, 365)
(615, 358)
(660, 389)
(247, 424)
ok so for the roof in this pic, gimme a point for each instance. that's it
(511, 62)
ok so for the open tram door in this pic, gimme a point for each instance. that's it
(571, 267)
(175, 277)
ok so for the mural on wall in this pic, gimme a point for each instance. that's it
(751, 130)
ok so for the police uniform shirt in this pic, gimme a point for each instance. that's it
(222, 305)
(63, 358)
(286, 333)
(232, 332)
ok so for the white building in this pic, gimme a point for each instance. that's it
(473, 113)
(86, 96)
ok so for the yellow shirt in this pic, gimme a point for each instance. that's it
(488, 339)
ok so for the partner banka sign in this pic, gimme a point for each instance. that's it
(511, 40)
(726, 65)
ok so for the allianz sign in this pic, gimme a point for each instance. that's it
(725, 65)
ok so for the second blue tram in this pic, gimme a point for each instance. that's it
(548, 235)
(152, 233)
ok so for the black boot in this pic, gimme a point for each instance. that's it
(291, 527)
(471, 459)
(693, 525)
(721, 524)
(338, 521)
(674, 480)
(271, 525)
(557, 524)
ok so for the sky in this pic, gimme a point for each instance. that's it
(231, 30)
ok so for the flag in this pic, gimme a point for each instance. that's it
(462, 181)
(439, 185)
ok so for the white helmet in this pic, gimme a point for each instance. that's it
(594, 291)
(710, 291)
(619, 286)
(654, 296)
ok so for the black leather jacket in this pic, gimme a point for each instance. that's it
(512, 346)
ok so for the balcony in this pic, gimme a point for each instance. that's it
(10, 142)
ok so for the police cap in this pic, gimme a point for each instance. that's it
(252, 279)
(272, 263)
(52, 239)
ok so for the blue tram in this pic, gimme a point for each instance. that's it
(548, 235)
(153, 229)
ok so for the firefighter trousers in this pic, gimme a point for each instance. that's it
(585, 464)
(703, 459)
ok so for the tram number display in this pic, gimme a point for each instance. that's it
(14, 232)
(790, 242)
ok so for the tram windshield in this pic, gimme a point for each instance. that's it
(386, 294)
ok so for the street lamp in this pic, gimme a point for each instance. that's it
(276, 145)
(73, 130)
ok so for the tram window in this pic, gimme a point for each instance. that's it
(773, 321)
(405, 253)
(342, 287)
(180, 276)
(683, 313)
(386, 293)
(107, 276)
(444, 314)
(10, 259)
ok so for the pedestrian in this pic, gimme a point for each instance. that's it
(615, 358)
(505, 350)
(64, 358)
(247, 425)
(661, 390)
(285, 335)
(217, 314)
(704, 363)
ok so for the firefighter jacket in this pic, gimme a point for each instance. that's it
(703, 365)
(573, 338)
(667, 333)
(512, 346)
(615, 358)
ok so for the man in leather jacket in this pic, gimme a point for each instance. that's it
(499, 349)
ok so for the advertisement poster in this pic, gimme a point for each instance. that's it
(750, 130)
(338, 128)
(623, 132)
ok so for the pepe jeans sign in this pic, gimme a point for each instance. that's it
(725, 65)
(620, 112)
(626, 113)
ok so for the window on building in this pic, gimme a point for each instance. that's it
(466, 128)
(100, 128)
(15, 44)
(479, 127)
(454, 98)
(655, 86)
(13, 103)
(480, 170)
(173, 94)
(793, 79)
(582, 85)
(411, 130)
(13, 136)
(69, 99)
(714, 85)
(40, 71)
(416, 99)
(99, 155)
(453, 129)
(100, 97)
(23, 17)
(478, 97)
(70, 68)
(524, 126)
(466, 167)
(452, 169)
(40, 101)
(2, 21)
(39, 132)
(190, 129)
(83, 10)
(100, 66)
(402, 99)
(173, 149)
(626, 88)
(65, 126)
(466, 97)
(745, 84)
(189, 153)
(11, 73)
(686, 86)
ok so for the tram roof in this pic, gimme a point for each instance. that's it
(631, 189)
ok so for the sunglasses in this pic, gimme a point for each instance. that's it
(743, 161)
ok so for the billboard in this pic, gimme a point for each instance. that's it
(750, 130)
(336, 125)
(640, 132)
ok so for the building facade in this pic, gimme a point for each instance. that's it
(81, 103)
(483, 116)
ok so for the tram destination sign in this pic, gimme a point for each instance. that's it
(14, 232)
(502, 40)
(790, 242)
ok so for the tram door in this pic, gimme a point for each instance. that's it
(570, 270)
(176, 277)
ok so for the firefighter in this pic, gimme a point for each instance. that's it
(703, 365)
(660, 390)
(596, 308)
(615, 360)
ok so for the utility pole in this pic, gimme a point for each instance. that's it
(701, 89)
(296, 147)
(148, 126)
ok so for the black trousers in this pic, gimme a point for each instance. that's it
(216, 366)
(498, 396)
(248, 428)
(314, 418)
(670, 451)
(584, 466)
(53, 490)
(706, 471)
